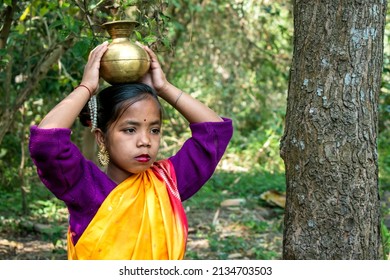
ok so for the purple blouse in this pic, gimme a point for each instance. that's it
(83, 186)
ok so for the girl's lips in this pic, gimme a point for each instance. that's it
(142, 158)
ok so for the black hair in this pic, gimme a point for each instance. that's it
(114, 100)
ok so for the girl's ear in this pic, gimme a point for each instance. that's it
(99, 136)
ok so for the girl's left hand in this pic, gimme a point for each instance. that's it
(155, 77)
(91, 70)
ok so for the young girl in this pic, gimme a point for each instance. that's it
(132, 209)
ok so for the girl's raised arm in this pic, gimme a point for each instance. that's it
(193, 110)
(65, 113)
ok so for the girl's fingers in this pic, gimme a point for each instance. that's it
(98, 51)
(139, 44)
(153, 56)
(91, 70)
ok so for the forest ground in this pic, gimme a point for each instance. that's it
(217, 235)
(211, 236)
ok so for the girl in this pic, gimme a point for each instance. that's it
(132, 209)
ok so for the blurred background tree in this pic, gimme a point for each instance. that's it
(233, 55)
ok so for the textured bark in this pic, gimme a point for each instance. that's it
(329, 146)
(6, 24)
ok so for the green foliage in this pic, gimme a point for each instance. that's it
(48, 210)
(43, 209)
(385, 241)
(233, 244)
(247, 186)
(384, 160)
(9, 160)
(384, 119)
(384, 97)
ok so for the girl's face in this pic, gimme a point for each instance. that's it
(133, 140)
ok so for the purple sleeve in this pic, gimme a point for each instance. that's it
(62, 167)
(68, 174)
(56, 160)
(198, 158)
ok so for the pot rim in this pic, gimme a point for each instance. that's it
(119, 21)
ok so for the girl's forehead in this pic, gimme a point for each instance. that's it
(142, 104)
(141, 109)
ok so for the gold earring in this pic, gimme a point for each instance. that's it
(103, 156)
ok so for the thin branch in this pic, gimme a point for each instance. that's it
(51, 56)
(4, 32)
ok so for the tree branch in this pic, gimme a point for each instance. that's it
(49, 58)
(4, 33)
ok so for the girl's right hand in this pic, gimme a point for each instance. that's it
(155, 77)
(91, 70)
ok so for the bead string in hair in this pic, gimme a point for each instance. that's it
(92, 104)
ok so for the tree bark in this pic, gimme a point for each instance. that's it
(329, 145)
(6, 28)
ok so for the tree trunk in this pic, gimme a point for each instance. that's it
(329, 145)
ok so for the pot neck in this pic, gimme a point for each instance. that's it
(120, 29)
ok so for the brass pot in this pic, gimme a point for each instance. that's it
(124, 61)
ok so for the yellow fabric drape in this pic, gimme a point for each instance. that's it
(141, 219)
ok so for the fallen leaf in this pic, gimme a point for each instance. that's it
(274, 198)
(232, 202)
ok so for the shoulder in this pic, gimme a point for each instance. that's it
(225, 126)
(52, 140)
(36, 130)
(39, 137)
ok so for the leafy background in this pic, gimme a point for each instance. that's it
(232, 55)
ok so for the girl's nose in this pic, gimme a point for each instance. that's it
(144, 140)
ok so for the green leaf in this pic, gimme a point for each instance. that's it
(56, 24)
(81, 48)
(43, 11)
(63, 34)
(166, 42)
(21, 28)
(150, 39)
(138, 36)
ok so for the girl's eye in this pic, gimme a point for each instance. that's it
(130, 130)
(155, 131)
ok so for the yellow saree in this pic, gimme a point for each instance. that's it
(141, 219)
